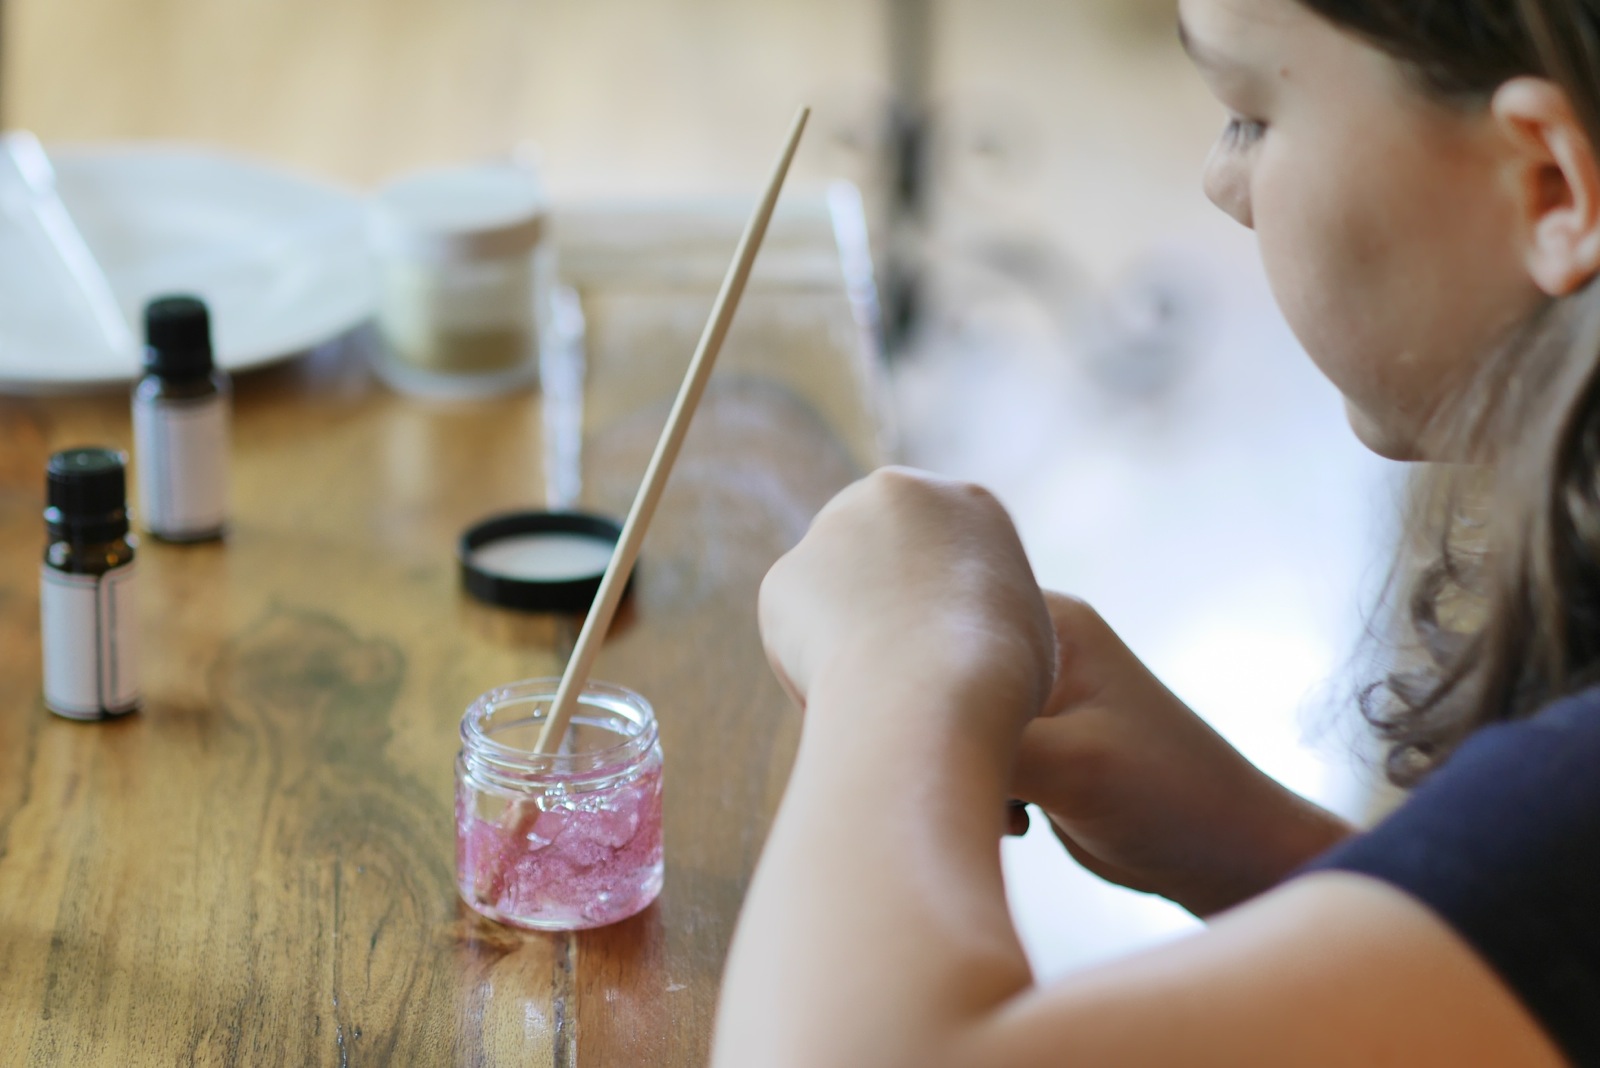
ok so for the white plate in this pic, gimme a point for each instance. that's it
(282, 261)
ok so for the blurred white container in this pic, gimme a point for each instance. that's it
(466, 268)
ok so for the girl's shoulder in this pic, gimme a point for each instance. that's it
(1503, 843)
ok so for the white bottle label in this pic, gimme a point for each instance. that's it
(182, 452)
(89, 626)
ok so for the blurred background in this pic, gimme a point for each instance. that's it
(1061, 314)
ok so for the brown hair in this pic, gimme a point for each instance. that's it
(1499, 579)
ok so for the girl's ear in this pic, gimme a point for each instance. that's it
(1555, 181)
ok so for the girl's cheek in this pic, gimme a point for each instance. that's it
(1306, 290)
(1333, 315)
(1295, 252)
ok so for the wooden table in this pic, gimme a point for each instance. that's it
(258, 868)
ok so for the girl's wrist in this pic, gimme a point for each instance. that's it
(984, 685)
(1286, 832)
(871, 735)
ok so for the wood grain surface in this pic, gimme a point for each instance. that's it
(258, 868)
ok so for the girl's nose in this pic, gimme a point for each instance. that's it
(1227, 184)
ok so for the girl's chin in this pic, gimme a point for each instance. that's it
(1381, 439)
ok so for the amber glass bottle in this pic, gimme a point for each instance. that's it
(181, 416)
(88, 616)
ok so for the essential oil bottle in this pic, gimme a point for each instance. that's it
(88, 614)
(181, 410)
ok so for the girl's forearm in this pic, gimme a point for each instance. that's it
(877, 921)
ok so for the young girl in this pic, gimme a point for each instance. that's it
(1424, 183)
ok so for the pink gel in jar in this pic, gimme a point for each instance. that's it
(563, 841)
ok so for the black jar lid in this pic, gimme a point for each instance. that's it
(86, 494)
(539, 561)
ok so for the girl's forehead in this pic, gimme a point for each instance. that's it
(1271, 37)
(1242, 21)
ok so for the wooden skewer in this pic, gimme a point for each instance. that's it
(615, 581)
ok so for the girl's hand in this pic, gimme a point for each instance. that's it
(908, 581)
(1144, 793)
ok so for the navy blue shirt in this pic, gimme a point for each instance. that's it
(1503, 843)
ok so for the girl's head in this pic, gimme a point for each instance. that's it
(1418, 189)
(1423, 180)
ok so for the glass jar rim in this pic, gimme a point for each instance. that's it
(513, 765)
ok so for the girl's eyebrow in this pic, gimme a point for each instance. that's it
(1202, 54)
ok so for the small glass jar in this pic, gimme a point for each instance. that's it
(466, 269)
(563, 841)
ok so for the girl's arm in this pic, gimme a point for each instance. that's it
(876, 927)
(1144, 793)
(876, 934)
(876, 930)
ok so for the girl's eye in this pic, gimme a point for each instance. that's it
(1242, 133)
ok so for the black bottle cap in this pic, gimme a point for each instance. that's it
(177, 333)
(86, 491)
(569, 586)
